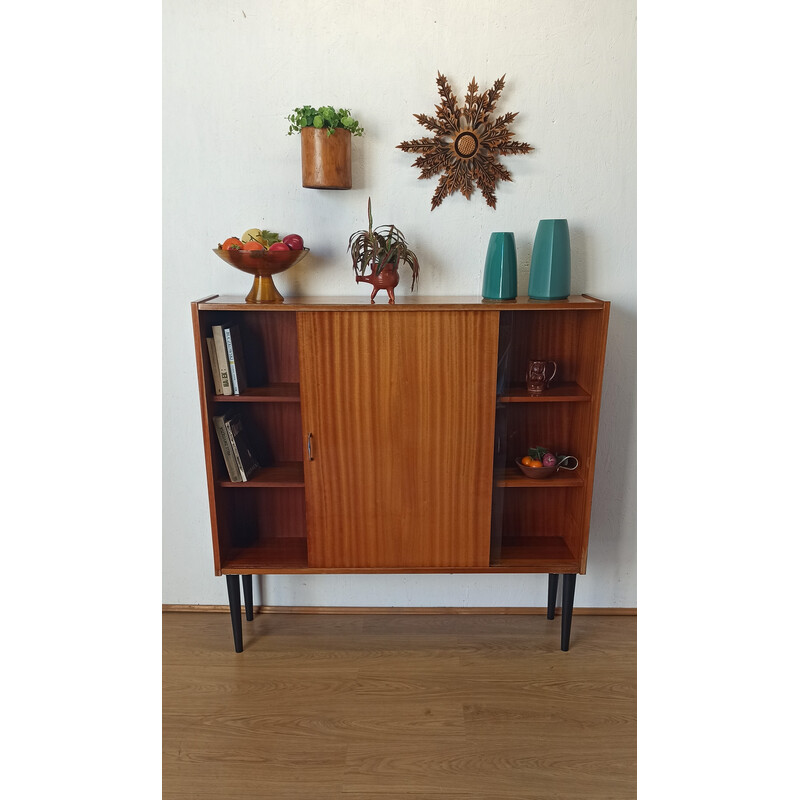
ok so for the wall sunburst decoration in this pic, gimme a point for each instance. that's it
(466, 143)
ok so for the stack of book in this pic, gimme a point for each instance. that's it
(227, 359)
(236, 449)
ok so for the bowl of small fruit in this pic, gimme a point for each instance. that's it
(541, 463)
(533, 468)
(262, 254)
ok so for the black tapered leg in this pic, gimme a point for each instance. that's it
(235, 602)
(552, 591)
(567, 600)
(247, 585)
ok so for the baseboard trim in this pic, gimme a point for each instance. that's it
(599, 612)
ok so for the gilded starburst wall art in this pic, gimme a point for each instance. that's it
(466, 143)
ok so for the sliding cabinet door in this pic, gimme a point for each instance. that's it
(398, 415)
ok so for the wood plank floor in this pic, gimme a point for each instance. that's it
(390, 706)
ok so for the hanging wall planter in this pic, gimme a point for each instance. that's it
(325, 136)
(326, 158)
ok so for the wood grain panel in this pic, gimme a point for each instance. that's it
(270, 347)
(397, 405)
(277, 430)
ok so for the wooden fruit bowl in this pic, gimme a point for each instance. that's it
(537, 473)
(263, 264)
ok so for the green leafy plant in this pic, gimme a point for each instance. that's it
(324, 117)
(381, 246)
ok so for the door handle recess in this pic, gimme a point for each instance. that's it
(309, 441)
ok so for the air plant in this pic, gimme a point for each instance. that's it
(380, 247)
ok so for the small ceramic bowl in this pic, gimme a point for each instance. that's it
(537, 473)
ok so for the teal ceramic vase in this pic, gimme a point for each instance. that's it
(549, 277)
(500, 269)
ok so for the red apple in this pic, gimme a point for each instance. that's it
(279, 246)
(294, 240)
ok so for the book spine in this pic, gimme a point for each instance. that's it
(237, 458)
(238, 355)
(227, 451)
(222, 359)
(212, 357)
(231, 360)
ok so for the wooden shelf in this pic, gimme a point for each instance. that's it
(287, 554)
(550, 553)
(512, 478)
(274, 393)
(568, 392)
(288, 474)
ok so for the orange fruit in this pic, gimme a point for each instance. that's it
(232, 243)
(253, 245)
(535, 463)
(527, 461)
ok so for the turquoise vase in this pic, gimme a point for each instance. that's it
(500, 269)
(550, 261)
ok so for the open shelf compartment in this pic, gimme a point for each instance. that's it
(549, 553)
(262, 529)
(279, 555)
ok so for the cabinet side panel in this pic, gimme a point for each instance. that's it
(596, 341)
(201, 328)
(401, 412)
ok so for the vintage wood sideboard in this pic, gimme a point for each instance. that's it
(387, 437)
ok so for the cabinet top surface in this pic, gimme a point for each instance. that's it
(430, 302)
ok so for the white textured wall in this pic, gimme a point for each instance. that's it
(231, 74)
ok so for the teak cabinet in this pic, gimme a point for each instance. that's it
(388, 434)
